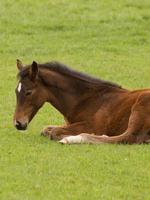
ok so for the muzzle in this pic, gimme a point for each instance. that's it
(20, 126)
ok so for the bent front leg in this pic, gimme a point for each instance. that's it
(58, 133)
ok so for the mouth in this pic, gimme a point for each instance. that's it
(22, 128)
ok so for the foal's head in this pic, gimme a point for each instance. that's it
(30, 95)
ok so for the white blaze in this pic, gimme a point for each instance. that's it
(19, 87)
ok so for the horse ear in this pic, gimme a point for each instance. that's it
(19, 65)
(34, 70)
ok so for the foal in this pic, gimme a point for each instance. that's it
(92, 108)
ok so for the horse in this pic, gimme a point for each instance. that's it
(95, 111)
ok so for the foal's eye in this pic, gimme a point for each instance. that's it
(29, 92)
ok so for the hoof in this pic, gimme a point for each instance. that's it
(48, 132)
(44, 133)
(50, 135)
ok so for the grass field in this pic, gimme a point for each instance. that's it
(108, 39)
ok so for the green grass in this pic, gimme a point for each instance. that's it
(108, 39)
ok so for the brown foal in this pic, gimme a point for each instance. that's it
(95, 111)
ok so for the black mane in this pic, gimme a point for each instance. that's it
(65, 70)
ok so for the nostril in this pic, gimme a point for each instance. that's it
(20, 126)
(18, 123)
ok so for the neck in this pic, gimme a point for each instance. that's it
(61, 91)
(65, 92)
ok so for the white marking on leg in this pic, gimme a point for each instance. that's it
(72, 140)
(19, 87)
